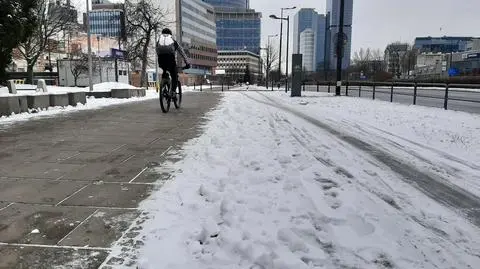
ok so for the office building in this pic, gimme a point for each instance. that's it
(107, 22)
(242, 4)
(193, 25)
(444, 44)
(394, 55)
(238, 29)
(309, 19)
(333, 12)
(307, 49)
(233, 64)
(63, 10)
(238, 26)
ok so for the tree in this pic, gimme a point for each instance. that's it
(247, 77)
(142, 18)
(50, 22)
(270, 59)
(17, 21)
(78, 65)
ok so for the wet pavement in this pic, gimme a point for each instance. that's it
(70, 185)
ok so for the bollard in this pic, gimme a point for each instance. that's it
(391, 93)
(211, 88)
(272, 85)
(303, 86)
(318, 86)
(415, 94)
(346, 89)
(193, 85)
(445, 103)
(201, 88)
(374, 90)
(222, 86)
(360, 91)
(329, 87)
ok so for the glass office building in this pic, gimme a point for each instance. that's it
(107, 22)
(333, 11)
(229, 3)
(238, 30)
(309, 19)
(445, 44)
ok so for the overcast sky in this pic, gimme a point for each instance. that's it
(379, 22)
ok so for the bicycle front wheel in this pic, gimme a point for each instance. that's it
(164, 96)
(177, 98)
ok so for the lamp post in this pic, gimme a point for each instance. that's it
(288, 41)
(89, 37)
(281, 35)
(340, 49)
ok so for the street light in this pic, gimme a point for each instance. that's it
(89, 41)
(281, 35)
(288, 41)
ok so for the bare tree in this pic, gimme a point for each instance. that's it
(270, 59)
(143, 18)
(78, 65)
(50, 22)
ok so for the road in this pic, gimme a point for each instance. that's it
(425, 97)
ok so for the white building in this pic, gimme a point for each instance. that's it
(307, 49)
(234, 65)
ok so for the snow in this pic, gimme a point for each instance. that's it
(263, 188)
(25, 89)
(448, 139)
(92, 103)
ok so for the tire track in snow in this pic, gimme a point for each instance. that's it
(435, 188)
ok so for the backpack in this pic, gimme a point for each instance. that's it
(166, 45)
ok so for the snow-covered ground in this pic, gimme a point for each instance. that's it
(265, 188)
(23, 89)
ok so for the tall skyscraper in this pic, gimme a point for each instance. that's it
(309, 19)
(307, 49)
(333, 10)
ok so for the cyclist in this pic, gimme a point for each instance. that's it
(166, 47)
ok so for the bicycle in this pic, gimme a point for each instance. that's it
(167, 94)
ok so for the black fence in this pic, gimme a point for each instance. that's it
(51, 78)
(436, 91)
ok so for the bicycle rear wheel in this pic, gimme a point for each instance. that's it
(177, 98)
(164, 96)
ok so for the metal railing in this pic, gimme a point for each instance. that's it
(439, 91)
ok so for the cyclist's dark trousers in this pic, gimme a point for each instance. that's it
(168, 63)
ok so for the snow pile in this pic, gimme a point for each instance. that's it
(92, 103)
(262, 188)
(108, 86)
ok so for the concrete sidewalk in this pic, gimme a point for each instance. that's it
(70, 185)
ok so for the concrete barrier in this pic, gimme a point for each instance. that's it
(38, 101)
(100, 94)
(11, 87)
(9, 105)
(23, 103)
(59, 100)
(128, 93)
(77, 97)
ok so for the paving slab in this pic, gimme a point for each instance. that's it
(37, 191)
(102, 228)
(41, 170)
(14, 257)
(110, 195)
(18, 221)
